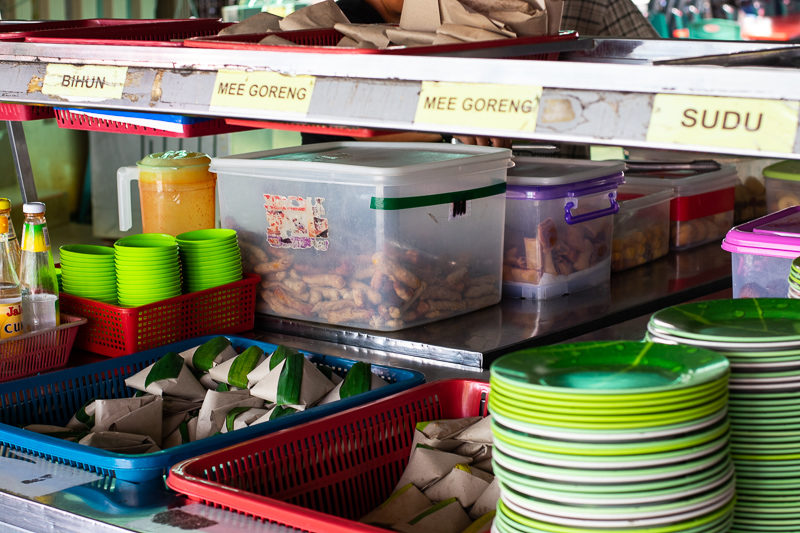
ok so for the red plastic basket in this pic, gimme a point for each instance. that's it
(24, 112)
(17, 31)
(323, 40)
(76, 121)
(323, 475)
(113, 330)
(152, 33)
(31, 353)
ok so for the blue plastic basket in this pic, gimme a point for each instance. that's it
(54, 397)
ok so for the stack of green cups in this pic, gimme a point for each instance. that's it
(210, 258)
(148, 268)
(88, 271)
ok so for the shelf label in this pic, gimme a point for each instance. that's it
(271, 91)
(485, 105)
(84, 82)
(747, 123)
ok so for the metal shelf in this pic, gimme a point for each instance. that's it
(610, 93)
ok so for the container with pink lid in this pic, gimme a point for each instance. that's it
(762, 252)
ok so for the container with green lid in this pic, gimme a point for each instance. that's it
(373, 235)
(782, 181)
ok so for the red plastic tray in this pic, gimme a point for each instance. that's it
(112, 330)
(309, 128)
(24, 112)
(17, 31)
(39, 351)
(324, 40)
(153, 33)
(76, 121)
(323, 475)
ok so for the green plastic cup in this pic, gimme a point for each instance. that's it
(206, 236)
(88, 254)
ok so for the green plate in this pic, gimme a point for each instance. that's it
(620, 512)
(695, 525)
(616, 368)
(709, 475)
(611, 462)
(600, 422)
(694, 396)
(677, 492)
(612, 449)
(612, 435)
(735, 320)
(610, 479)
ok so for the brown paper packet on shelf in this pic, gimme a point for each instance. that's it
(522, 24)
(320, 15)
(274, 40)
(480, 431)
(403, 37)
(443, 517)
(484, 6)
(446, 39)
(485, 465)
(83, 418)
(140, 416)
(425, 466)
(313, 387)
(276, 411)
(455, 13)
(244, 419)
(259, 23)
(446, 445)
(216, 406)
(375, 383)
(365, 35)
(446, 428)
(420, 15)
(459, 483)
(479, 451)
(115, 441)
(468, 33)
(184, 385)
(403, 504)
(181, 435)
(176, 411)
(59, 432)
(487, 501)
(555, 10)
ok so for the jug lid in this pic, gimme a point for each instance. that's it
(175, 158)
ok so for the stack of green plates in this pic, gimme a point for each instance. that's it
(612, 436)
(794, 279)
(209, 258)
(761, 339)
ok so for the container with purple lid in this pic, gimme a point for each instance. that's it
(762, 252)
(559, 225)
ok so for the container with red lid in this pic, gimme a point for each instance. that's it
(762, 252)
(702, 209)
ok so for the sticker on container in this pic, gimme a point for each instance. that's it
(270, 91)
(88, 83)
(746, 123)
(32, 477)
(485, 105)
(296, 222)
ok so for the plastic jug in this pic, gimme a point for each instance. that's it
(176, 191)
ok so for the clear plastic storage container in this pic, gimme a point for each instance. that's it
(702, 208)
(762, 251)
(641, 227)
(370, 235)
(782, 181)
(559, 225)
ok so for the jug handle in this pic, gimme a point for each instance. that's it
(125, 175)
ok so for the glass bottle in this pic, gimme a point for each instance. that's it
(37, 272)
(13, 243)
(10, 306)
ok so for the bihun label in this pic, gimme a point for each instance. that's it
(84, 82)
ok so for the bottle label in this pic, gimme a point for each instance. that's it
(10, 320)
(35, 238)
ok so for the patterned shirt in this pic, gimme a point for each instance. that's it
(606, 18)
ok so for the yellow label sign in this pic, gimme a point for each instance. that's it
(502, 107)
(748, 123)
(94, 82)
(263, 90)
(10, 320)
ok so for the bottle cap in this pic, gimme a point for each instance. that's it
(33, 207)
(5, 203)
